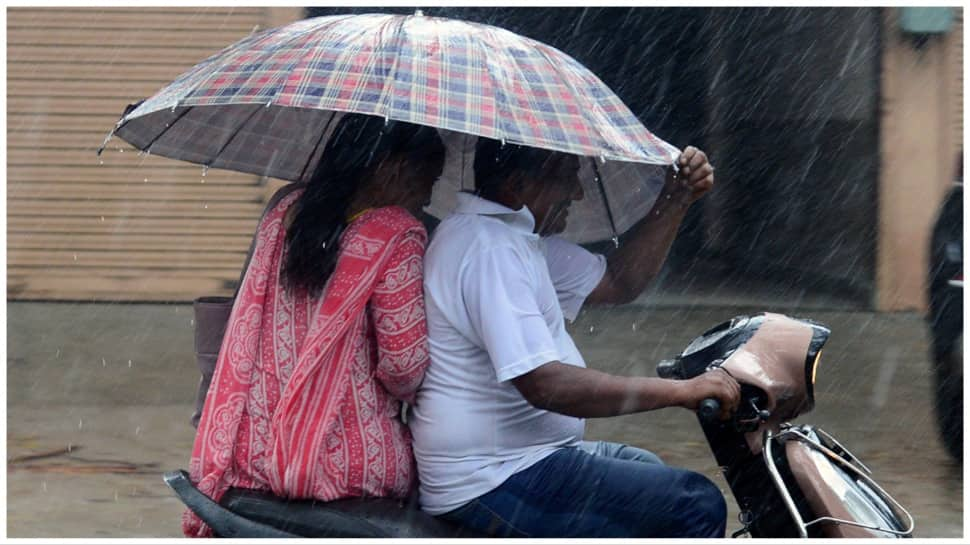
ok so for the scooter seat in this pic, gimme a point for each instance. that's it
(357, 517)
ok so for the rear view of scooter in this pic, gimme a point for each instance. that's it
(789, 481)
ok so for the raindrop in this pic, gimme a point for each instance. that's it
(192, 322)
(634, 326)
(205, 170)
(120, 150)
(387, 120)
(137, 430)
(146, 180)
(70, 447)
(104, 363)
(116, 496)
(75, 257)
(141, 153)
(80, 424)
(100, 161)
(503, 141)
(205, 205)
(603, 159)
(129, 364)
(58, 353)
(102, 218)
(43, 486)
(591, 329)
(324, 245)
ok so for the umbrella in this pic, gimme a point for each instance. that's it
(265, 105)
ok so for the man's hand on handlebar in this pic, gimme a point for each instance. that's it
(715, 384)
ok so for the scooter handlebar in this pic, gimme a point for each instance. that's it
(709, 409)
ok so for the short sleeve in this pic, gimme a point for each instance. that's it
(575, 273)
(500, 290)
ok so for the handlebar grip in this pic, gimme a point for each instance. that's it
(709, 409)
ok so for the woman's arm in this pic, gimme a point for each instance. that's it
(397, 311)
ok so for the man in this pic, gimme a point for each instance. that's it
(498, 423)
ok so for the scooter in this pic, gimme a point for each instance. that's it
(789, 481)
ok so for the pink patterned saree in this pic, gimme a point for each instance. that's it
(306, 393)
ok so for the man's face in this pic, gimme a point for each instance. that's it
(549, 195)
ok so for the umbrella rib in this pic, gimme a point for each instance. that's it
(606, 200)
(392, 80)
(168, 126)
(500, 135)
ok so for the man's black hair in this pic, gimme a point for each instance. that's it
(495, 162)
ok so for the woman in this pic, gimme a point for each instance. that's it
(327, 334)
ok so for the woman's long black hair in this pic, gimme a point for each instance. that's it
(358, 145)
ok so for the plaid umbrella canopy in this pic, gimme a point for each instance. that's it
(266, 105)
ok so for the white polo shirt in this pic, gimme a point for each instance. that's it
(496, 297)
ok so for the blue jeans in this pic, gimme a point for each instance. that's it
(598, 490)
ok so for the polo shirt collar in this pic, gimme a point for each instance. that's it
(520, 220)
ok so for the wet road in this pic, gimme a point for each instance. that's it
(115, 382)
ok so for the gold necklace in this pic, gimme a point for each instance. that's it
(358, 214)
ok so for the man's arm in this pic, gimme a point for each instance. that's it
(633, 266)
(585, 393)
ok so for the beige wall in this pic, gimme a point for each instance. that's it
(129, 228)
(921, 132)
